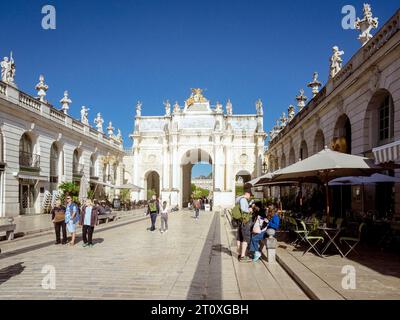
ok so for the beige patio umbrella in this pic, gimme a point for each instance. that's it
(262, 179)
(325, 166)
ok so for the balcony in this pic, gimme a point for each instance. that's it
(29, 161)
(78, 170)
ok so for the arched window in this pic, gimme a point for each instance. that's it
(386, 120)
(292, 157)
(303, 150)
(283, 161)
(26, 156)
(319, 141)
(342, 135)
(77, 167)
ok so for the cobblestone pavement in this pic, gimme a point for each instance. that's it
(194, 260)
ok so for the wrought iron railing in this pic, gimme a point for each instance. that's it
(29, 160)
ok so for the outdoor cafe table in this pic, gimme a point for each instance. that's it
(331, 234)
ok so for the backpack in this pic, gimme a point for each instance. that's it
(153, 206)
(236, 212)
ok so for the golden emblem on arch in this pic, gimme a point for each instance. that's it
(196, 96)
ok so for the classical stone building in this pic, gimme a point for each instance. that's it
(41, 147)
(165, 148)
(357, 111)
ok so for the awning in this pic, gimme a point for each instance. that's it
(28, 176)
(387, 153)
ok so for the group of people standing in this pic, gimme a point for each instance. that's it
(257, 223)
(154, 208)
(66, 218)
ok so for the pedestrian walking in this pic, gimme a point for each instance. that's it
(164, 217)
(71, 218)
(153, 209)
(197, 206)
(88, 220)
(58, 219)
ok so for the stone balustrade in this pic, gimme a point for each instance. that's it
(46, 110)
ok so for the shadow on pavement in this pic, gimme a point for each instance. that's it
(207, 280)
(11, 271)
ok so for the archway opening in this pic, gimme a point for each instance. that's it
(342, 135)
(197, 176)
(319, 141)
(303, 150)
(241, 178)
(152, 181)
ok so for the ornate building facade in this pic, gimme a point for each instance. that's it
(165, 148)
(42, 146)
(357, 111)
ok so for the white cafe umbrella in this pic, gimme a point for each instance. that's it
(325, 166)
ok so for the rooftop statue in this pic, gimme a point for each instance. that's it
(301, 100)
(65, 102)
(291, 113)
(167, 106)
(218, 107)
(283, 120)
(138, 109)
(259, 107)
(366, 24)
(176, 107)
(8, 70)
(110, 129)
(119, 136)
(314, 84)
(229, 107)
(84, 115)
(99, 122)
(41, 88)
(196, 97)
(336, 62)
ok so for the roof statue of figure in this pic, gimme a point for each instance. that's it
(8, 70)
(167, 106)
(99, 122)
(291, 112)
(85, 115)
(110, 130)
(259, 107)
(366, 24)
(138, 109)
(176, 107)
(336, 62)
(229, 107)
(301, 100)
(218, 107)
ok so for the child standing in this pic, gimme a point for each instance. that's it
(164, 217)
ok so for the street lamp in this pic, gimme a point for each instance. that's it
(265, 167)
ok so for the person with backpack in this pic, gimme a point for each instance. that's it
(71, 218)
(153, 208)
(243, 214)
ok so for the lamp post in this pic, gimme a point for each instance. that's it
(265, 167)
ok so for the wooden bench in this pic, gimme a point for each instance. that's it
(107, 217)
(9, 230)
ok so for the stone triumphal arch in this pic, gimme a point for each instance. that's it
(166, 147)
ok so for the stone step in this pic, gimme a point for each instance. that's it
(311, 284)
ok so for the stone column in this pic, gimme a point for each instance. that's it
(219, 159)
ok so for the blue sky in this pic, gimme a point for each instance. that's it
(109, 54)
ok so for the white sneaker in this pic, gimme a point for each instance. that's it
(166, 231)
(162, 231)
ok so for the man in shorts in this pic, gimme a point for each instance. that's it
(244, 231)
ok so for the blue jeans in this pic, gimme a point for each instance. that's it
(196, 212)
(153, 218)
(255, 241)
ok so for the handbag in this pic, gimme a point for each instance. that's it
(59, 216)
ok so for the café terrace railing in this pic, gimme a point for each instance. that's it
(46, 110)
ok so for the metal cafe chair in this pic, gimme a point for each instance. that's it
(311, 240)
(353, 240)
